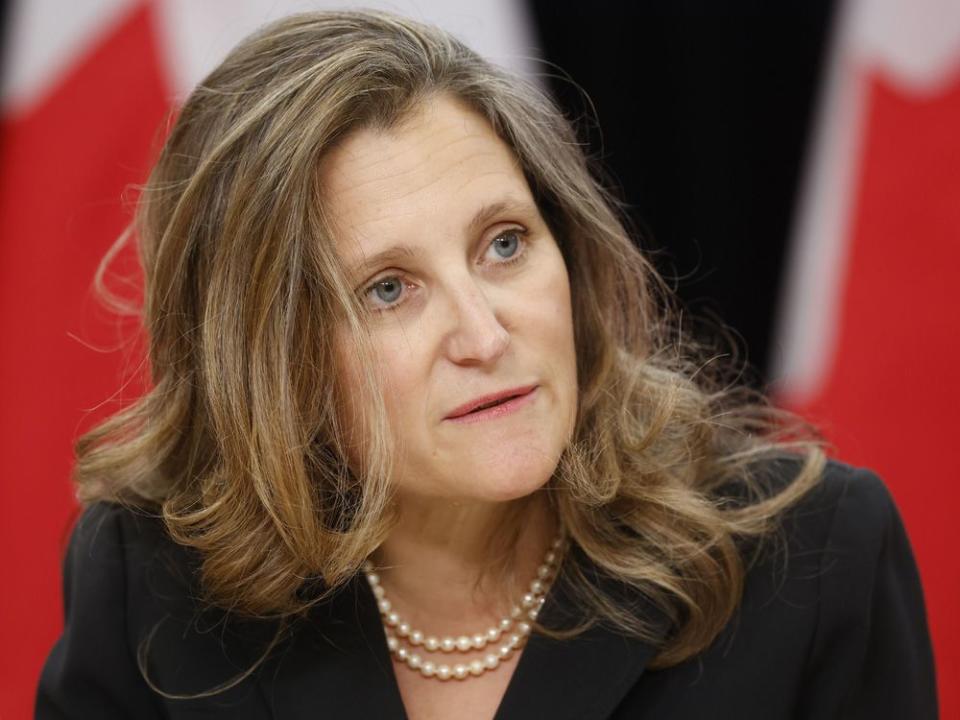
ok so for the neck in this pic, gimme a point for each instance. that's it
(434, 563)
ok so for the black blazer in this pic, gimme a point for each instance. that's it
(832, 628)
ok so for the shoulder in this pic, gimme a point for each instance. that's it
(110, 545)
(162, 583)
(839, 588)
(844, 518)
(834, 540)
(831, 621)
(135, 622)
(108, 533)
(126, 554)
(122, 563)
(850, 510)
(851, 523)
(92, 671)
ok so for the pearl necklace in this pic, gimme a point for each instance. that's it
(529, 606)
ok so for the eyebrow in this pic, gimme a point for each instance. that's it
(411, 252)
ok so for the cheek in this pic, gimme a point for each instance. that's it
(554, 315)
(398, 394)
(555, 324)
(399, 365)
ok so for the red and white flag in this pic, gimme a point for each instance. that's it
(870, 325)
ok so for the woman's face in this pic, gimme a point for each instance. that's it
(468, 296)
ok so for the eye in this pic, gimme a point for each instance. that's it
(387, 289)
(507, 244)
(387, 293)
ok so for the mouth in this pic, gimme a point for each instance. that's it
(493, 406)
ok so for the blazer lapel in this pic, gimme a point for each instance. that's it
(336, 664)
(585, 677)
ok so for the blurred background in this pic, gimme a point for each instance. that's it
(794, 168)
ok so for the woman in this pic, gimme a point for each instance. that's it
(422, 439)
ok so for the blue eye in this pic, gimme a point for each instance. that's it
(388, 293)
(506, 245)
(388, 289)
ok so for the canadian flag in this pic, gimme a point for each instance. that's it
(870, 323)
(86, 90)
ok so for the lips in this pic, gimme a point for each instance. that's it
(485, 401)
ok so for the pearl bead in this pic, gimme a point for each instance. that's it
(528, 608)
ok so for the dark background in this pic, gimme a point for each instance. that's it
(704, 113)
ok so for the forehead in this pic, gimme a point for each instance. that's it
(437, 167)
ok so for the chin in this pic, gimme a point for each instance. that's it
(510, 478)
(506, 492)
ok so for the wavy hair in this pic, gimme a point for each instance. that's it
(236, 442)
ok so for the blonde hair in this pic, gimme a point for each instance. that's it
(237, 442)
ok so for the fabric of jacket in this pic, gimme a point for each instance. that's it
(831, 625)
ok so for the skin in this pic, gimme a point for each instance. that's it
(455, 321)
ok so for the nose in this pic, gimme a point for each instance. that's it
(477, 335)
